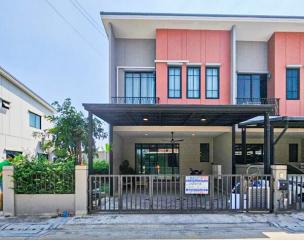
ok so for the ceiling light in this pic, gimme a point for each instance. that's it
(203, 119)
(145, 119)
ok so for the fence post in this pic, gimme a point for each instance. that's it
(8, 191)
(279, 172)
(81, 190)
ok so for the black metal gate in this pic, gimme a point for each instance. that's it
(293, 198)
(166, 193)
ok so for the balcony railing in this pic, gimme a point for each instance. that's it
(135, 100)
(258, 101)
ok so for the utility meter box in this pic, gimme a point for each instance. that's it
(283, 185)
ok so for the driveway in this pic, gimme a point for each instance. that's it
(157, 226)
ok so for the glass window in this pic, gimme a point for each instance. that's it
(292, 83)
(193, 82)
(204, 152)
(139, 87)
(293, 152)
(157, 158)
(255, 153)
(212, 82)
(11, 154)
(35, 120)
(174, 82)
(251, 88)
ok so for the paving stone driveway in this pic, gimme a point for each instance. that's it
(157, 226)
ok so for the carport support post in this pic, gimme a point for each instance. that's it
(244, 140)
(267, 145)
(90, 141)
(233, 150)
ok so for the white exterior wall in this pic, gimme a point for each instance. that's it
(223, 152)
(15, 131)
(252, 57)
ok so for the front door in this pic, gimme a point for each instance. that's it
(251, 88)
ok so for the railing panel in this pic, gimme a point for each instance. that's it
(258, 101)
(293, 198)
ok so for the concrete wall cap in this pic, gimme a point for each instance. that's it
(279, 167)
(81, 167)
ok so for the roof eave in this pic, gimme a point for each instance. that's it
(25, 89)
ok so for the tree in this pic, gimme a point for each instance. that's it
(70, 131)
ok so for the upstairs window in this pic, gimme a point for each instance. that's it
(212, 82)
(35, 120)
(139, 87)
(193, 82)
(174, 82)
(292, 83)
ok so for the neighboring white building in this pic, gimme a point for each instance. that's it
(22, 112)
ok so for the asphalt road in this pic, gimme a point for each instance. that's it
(157, 226)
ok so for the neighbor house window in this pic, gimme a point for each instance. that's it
(204, 152)
(292, 83)
(174, 82)
(293, 152)
(193, 82)
(212, 82)
(35, 120)
(11, 154)
(254, 154)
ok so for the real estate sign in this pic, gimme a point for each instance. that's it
(197, 185)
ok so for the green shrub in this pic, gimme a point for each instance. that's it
(41, 176)
(101, 166)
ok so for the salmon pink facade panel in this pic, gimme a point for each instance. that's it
(286, 50)
(193, 48)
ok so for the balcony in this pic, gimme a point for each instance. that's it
(259, 101)
(135, 100)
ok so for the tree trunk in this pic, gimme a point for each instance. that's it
(78, 153)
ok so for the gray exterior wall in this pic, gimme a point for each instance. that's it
(252, 57)
(112, 64)
(132, 55)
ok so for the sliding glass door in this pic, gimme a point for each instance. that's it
(251, 88)
(139, 87)
(157, 158)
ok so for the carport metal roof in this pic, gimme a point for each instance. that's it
(275, 121)
(176, 114)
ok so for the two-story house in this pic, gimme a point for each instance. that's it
(194, 90)
(22, 113)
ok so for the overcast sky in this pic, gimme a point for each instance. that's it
(57, 60)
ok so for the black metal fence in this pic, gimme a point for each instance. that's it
(159, 193)
(293, 198)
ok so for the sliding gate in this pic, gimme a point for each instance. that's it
(179, 193)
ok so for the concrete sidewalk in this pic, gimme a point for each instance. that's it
(157, 226)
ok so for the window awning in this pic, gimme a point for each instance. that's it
(176, 114)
